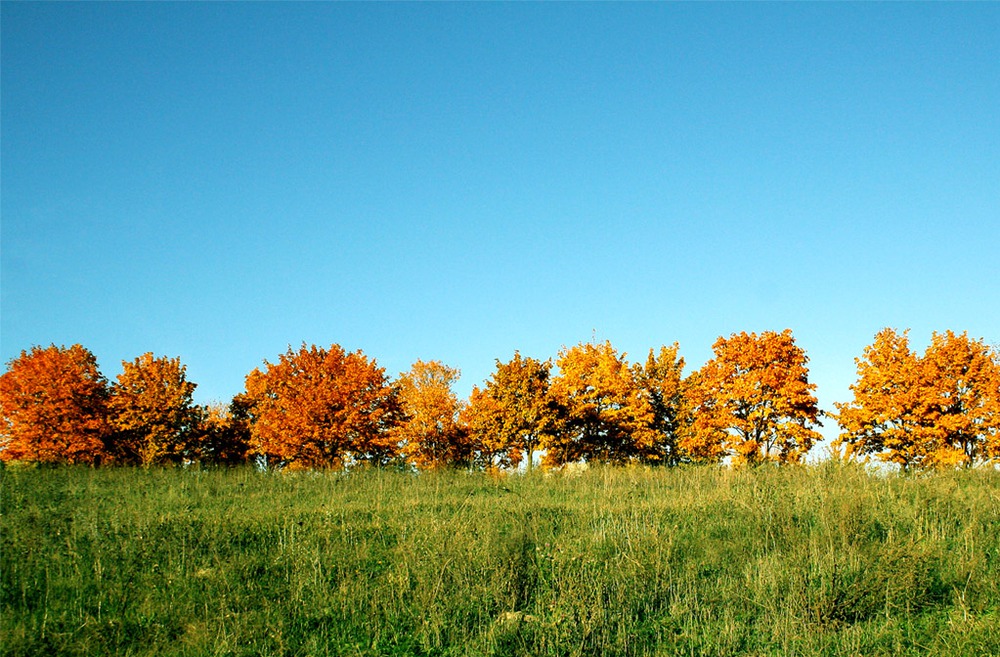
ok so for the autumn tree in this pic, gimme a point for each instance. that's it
(884, 417)
(753, 401)
(483, 419)
(429, 434)
(662, 381)
(152, 412)
(937, 410)
(53, 404)
(222, 436)
(609, 419)
(514, 415)
(962, 388)
(320, 407)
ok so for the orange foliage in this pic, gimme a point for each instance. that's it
(52, 401)
(962, 390)
(514, 415)
(321, 408)
(753, 401)
(430, 435)
(609, 418)
(939, 410)
(884, 417)
(483, 419)
(152, 413)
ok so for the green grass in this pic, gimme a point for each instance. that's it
(822, 560)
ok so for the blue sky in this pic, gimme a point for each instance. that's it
(457, 181)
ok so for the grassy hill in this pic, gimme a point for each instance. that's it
(818, 560)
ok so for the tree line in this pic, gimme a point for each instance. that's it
(316, 407)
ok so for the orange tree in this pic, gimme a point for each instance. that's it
(939, 410)
(608, 417)
(53, 406)
(320, 407)
(753, 401)
(152, 412)
(429, 433)
(885, 416)
(962, 387)
(483, 419)
(514, 415)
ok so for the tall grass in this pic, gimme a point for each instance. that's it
(825, 560)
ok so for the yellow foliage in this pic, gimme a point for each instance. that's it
(753, 401)
(939, 410)
(152, 412)
(662, 382)
(609, 417)
(514, 415)
(430, 435)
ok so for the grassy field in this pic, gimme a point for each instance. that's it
(822, 560)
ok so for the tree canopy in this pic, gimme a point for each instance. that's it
(429, 433)
(751, 403)
(54, 406)
(938, 410)
(514, 415)
(661, 380)
(753, 400)
(152, 411)
(320, 407)
(608, 418)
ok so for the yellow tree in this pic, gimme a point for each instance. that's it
(753, 400)
(609, 418)
(320, 407)
(430, 434)
(514, 415)
(942, 409)
(661, 380)
(151, 411)
(53, 407)
(885, 417)
(962, 402)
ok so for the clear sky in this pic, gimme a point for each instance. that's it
(457, 181)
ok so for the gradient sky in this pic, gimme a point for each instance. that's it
(457, 181)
